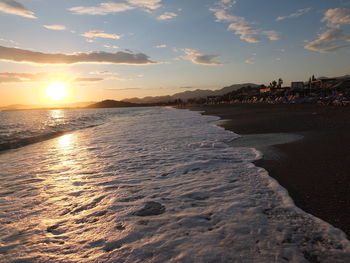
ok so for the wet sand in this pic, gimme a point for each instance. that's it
(310, 157)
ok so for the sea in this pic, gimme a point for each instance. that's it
(151, 184)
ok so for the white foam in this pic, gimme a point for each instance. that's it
(74, 198)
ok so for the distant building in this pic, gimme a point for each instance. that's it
(324, 83)
(298, 85)
(265, 90)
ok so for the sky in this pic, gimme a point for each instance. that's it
(136, 48)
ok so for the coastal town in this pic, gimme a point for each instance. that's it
(324, 91)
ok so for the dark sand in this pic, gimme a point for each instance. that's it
(316, 169)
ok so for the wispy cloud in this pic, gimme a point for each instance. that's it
(271, 34)
(251, 60)
(15, 8)
(7, 77)
(109, 75)
(221, 15)
(122, 89)
(104, 73)
(146, 4)
(88, 79)
(337, 17)
(102, 9)
(55, 27)
(247, 31)
(100, 34)
(111, 46)
(202, 59)
(298, 13)
(328, 41)
(167, 16)
(21, 55)
(115, 7)
(161, 46)
(10, 77)
(9, 41)
(334, 38)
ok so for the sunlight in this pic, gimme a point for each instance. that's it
(56, 91)
(56, 114)
(65, 141)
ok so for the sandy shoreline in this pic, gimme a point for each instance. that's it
(310, 158)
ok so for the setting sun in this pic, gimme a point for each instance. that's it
(56, 91)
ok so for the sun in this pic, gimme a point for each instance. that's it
(56, 91)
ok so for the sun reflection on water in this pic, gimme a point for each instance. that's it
(56, 114)
(65, 141)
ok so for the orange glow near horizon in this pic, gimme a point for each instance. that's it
(57, 91)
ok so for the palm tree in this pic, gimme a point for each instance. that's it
(280, 82)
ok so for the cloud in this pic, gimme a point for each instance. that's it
(247, 31)
(15, 8)
(115, 7)
(9, 41)
(21, 55)
(103, 73)
(222, 16)
(109, 75)
(111, 46)
(251, 60)
(55, 27)
(337, 17)
(227, 3)
(167, 16)
(328, 41)
(272, 35)
(146, 4)
(334, 38)
(102, 9)
(202, 59)
(298, 13)
(100, 34)
(88, 79)
(161, 46)
(122, 89)
(7, 77)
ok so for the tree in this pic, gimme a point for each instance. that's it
(280, 82)
(274, 84)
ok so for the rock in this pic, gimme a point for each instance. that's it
(151, 209)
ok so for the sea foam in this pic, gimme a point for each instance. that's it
(153, 185)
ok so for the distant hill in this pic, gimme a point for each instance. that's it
(74, 105)
(81, 104)
(113, 104)
(190, 94)
(19, 107)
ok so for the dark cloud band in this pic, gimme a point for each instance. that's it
(21, 55)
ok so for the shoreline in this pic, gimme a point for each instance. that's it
(310, 157)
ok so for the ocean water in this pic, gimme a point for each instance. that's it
(145, 185)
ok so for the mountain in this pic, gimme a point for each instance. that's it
(112, 104)
(190, 94)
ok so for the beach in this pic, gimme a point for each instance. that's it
(314, 168)
(149, 184)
